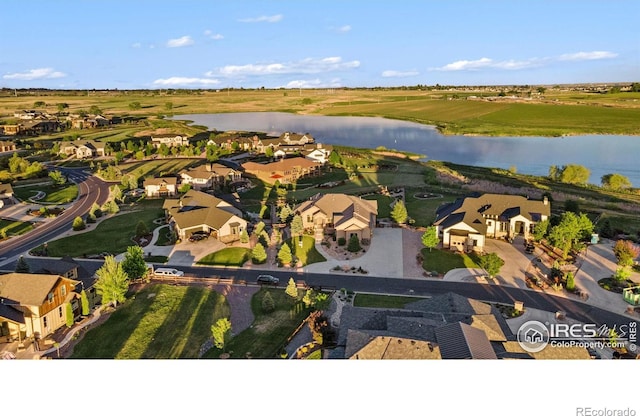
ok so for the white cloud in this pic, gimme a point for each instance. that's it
(269, 19)
(32, 74)
(392, 73)
(587, 56)
(215, 36)
(180, 42)
(314, 83)
(185, 81)
(304, 66)
(136, 45)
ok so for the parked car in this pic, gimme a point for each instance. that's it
(168, 272)
(198, 235)
(266, 279)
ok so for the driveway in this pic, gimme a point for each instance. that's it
(516, 260)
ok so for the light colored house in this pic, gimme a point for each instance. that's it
(295, 138)
(83, 149)
(170, 140)
(6, 194)
(197, 211)
(7, 146)
(464, 223)
(320, 154)
(161, 187)
(89, 122)
(285, 170)
(347, 215)
(33, 304)
(210, 176)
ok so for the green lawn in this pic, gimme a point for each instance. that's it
(230, 256)
(112, 235)
(442, 261)
(55, 194)
(365, 300)
(269, 332)
(307, 254)
(384, 208)
(160, 322)
(14, 227)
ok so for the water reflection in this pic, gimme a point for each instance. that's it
(602, 154)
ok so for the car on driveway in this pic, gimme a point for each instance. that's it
(267, 279)
(198, 236)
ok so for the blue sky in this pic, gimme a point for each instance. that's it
(301, 44)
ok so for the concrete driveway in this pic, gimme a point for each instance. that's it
(516, 260)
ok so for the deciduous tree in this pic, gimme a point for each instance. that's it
(78, 224)
(615, 181)
(625, 252)
(221, 332)
(491, 263)
(399, 212)
(430, 237)
(113, 282)
(133, 263)
(296, 226)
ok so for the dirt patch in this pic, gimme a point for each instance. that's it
(269, 324)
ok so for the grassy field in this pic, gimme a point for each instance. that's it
(158, 167)
(307, 254)
(230, 256)
(54, 194)
(442, 261)
(269, 331)
(557, 112)
(365, 300)
(112, 235)
(160, 322)
(11, 228)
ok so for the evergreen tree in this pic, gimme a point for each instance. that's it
(296, 226)
(399, 212)
(284, 255)
(113, 282)
(244, 236)
(22, 266)
(354, 244)
(69, 314)
(292, 289)
(571, 282)
(268, 304)
(258, 254)
(141, 229)
(221, 332)
(84, 303)
(78, 224)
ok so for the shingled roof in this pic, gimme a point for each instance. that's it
(197, 208)
(461, 341)
(28, 288)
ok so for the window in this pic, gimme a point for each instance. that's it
(44, 321)
(60, 311)
(489, 223)
(50, 297)
(309, 218)
(63, 290)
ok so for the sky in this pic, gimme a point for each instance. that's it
(142, 44)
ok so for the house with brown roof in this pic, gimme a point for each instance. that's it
(33, 304)
(197, 211)
(346, 215)
(464, 224)
(7, 146)
(284, 171)
(161, 187)
(210, 176)
(170, 140)
(83, 149)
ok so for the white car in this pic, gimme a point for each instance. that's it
(168, 272)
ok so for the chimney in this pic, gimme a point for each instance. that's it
(545, 200)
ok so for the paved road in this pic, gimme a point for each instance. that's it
(91, 189)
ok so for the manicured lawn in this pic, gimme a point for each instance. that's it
(307, 254)
(161, 322)
(230, 256)
(164, 237)
(112, 235)
(54, 194)
(442, 261)
(14, 227)
(364, 300)
(269, 332)
(384, 209)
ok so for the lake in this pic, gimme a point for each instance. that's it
(602, 154)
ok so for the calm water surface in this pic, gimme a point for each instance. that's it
(602, 154)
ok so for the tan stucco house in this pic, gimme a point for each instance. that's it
(464, 224)
(284, 171)
(210, 176)
(161, 187)
(197, 211)
(347, 215)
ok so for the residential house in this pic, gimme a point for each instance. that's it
(464, 223)
(320, 154)
(6, 194)
(33, 304)
(11, 129)
(161, 187)
(29, 114)
(83, 149)
(7, 146)
(210, 176)
(346, 215)
(197, 211)
(169, 140)
(89, 122)
(284, 171)
(241, 142)
(39, 126)
(288, 138)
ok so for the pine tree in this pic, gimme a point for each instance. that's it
(84, 302)
(69, 315)
(399, 212)
(292, 289)
(258, 254)
(244, 236)
(296, 226)
(141, 229)
(22, 266)
(268, 304)
(284, 255)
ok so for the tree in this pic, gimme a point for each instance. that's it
(430, 237)
(285, 213)
(135, 106)
(168, 106)
(625, 252)
(284, 255)
(296, 226)
(57, 177)
(113, 282)
(69, 315)
(94, 109)
(572, 205)
(571, 282)
(334, 158)
(399, 212)
(258, 254)
(491, 263)
(569, 231)
(184, 188)
(78, 224)
(22, 266)
(292, 289)
(244, 236)
(84, 303)
(621, 274)
(354, 244)
(133, 263)
(540, 230)
(116, 193)
(615, 181)
(95, 210)
(574, 174)
(111, 207)
(62, 106)
(221, 332)
(268, 152)
(268, 304)
(141, 229)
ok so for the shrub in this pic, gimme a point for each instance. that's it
(354, 244)
(342, 241)
(571, 283)
(78, 224)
